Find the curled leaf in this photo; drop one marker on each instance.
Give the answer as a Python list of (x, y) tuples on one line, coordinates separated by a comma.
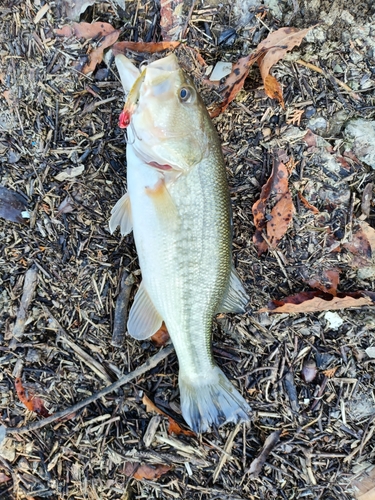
[(103, 33), (173, 425), (27, 397), (276, 45), (276, 199), (305, 302), (145, 471)]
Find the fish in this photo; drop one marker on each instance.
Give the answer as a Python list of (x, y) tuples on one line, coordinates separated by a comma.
[(178, 206)]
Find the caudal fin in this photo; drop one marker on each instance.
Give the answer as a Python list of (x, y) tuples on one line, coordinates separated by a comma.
[(211, 400)]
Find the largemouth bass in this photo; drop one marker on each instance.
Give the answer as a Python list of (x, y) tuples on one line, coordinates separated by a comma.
[(178, 207)]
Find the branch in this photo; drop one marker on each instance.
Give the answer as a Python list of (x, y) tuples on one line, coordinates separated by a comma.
[(150, 363)]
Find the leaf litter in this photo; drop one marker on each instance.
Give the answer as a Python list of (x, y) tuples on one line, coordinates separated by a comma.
[(59, 126)]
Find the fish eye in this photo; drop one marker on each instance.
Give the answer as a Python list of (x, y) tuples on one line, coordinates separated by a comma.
[(185, 94)]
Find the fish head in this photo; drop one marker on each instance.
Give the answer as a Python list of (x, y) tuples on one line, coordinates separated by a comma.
[(166, 117)]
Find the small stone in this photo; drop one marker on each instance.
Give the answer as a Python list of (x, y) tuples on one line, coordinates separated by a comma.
[(334, 320), (318, 124), (370, 351)]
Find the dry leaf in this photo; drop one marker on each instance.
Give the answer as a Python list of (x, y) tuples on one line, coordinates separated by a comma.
[(70, 173), (275, 192), (305, 302), (173, 425), (104, 33), (4, 478), (149, 47), (12, 205), (171, 18), (27, 396), (327, 282), (235, 81), (330, 372), (307, 204), (161, 337), (276, 45), (145, 471)]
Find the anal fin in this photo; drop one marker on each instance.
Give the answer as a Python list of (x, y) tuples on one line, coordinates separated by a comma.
[(122, 216), (236, 298), (144, 320)]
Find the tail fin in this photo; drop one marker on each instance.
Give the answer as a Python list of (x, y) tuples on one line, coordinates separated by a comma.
[(211, 401)]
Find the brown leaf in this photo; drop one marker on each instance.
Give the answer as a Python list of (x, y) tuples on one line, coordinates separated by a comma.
[(269, 444), (330, 372), (161, 337), (235, 81), (305, 302), (12, 205), (173, 425), (275, 192), (307, 203), (362, 245), (149, 47), (27, 397), (99, 31), (276, 45), (327, 282), (171, 15), (4, 478), (145, 471)]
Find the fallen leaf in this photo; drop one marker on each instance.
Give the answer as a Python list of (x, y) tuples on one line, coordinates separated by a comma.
[(145, 471), (276, 45), (104, 33), (149, 47), (12, 206), (161, 337), (70, 173), (269, 444), (27, 397), (305, 302), (4, 478), (307, 204), (268, 53), (173, 425), (275, 192), (327, 282), (73, 10), (235, 81), (362, 245), (172, 18), (66, 206), (330, 372)]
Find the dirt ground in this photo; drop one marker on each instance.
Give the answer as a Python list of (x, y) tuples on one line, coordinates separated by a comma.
[(309, 377)]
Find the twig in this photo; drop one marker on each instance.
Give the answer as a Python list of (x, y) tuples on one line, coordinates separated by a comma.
[(121, 310), (322, 72), (31, 279), (150, 363)]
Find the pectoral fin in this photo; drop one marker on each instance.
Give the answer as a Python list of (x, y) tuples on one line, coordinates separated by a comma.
[(236, 298), (163, 202), (144, 320), (121, 216)]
